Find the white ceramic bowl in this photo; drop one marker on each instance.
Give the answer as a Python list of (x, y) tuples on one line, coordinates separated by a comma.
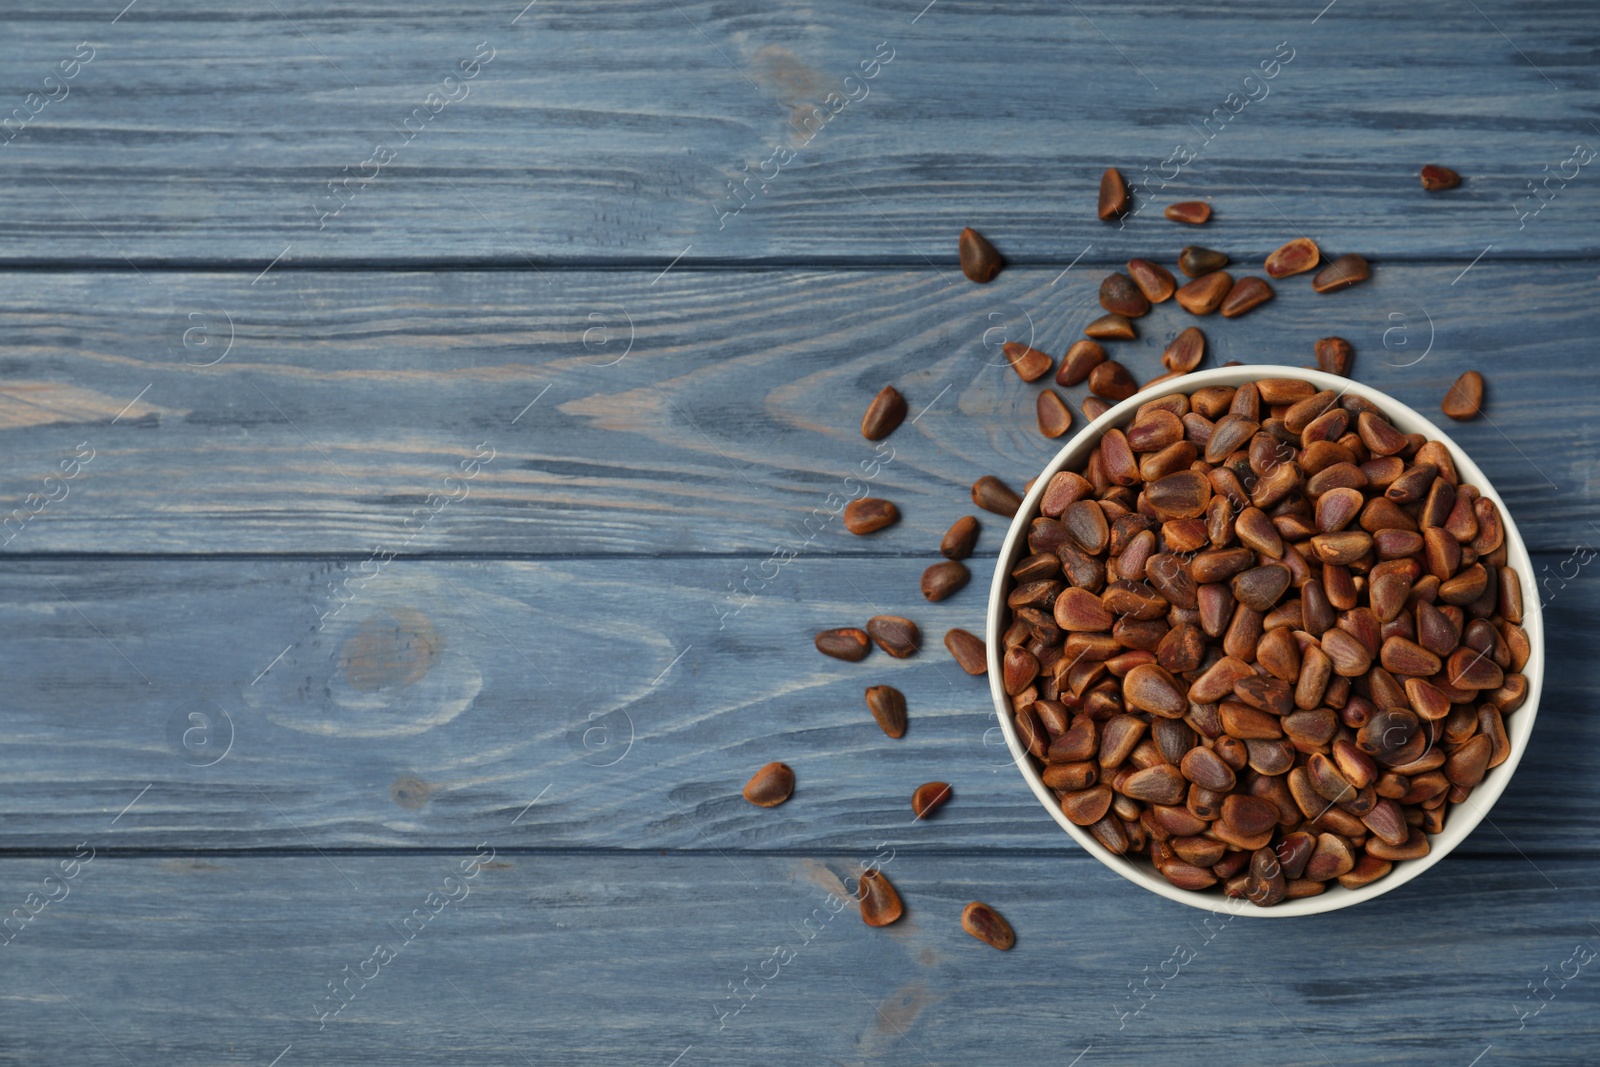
[(1462, 819)]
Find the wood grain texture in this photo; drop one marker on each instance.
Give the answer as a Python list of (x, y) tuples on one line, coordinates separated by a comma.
[(208, 132), (249, 375), (594, 959), (616, 704), (692, 413)]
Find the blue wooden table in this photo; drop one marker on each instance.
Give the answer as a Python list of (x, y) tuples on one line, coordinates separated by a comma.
[(424, 430)]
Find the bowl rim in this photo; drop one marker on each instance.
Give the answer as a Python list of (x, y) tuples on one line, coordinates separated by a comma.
[(1462, 822)]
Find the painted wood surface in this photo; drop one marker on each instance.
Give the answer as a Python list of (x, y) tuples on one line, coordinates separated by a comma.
[(616, 704), (210, 132), (605, 959), (284, 644), (700, 412)]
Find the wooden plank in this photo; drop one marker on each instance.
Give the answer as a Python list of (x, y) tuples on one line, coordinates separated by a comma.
[(616, 704), (691, 413), (602, 959), (204, 132)]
